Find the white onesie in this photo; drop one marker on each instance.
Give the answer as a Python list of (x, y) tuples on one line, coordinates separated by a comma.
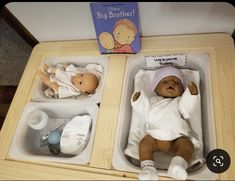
[(63, 79), (164, 118)]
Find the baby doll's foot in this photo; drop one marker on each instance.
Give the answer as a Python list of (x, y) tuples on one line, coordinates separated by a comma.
[(148, 173), (177, 168), (46, 68), (177, 172)]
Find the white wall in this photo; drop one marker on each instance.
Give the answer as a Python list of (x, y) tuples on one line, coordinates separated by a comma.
[(48, 21)]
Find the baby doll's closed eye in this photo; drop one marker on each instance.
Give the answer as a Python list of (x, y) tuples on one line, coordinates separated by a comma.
[(174, 81)]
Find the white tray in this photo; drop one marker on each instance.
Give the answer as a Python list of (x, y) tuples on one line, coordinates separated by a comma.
[(196, 61), (23, 146), (81, 61)]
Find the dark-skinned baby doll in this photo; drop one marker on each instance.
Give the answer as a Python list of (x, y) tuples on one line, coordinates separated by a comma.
[(166, 127)]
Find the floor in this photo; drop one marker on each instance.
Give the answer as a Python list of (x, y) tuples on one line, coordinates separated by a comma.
[(14, 54), (6, 96)]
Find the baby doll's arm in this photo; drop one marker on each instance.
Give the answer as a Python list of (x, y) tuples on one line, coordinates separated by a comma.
[(52, 70), (136, 96), (46, 80), (140, 102), (73, 68), (189, 100), (193, 88)]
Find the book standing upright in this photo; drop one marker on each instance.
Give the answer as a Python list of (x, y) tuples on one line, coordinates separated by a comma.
[(117, 26)]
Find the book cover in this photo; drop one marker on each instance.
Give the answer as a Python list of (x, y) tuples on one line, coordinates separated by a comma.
[(117, 26)]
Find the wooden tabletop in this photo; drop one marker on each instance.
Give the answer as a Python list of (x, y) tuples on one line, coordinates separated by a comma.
[(220, 47)]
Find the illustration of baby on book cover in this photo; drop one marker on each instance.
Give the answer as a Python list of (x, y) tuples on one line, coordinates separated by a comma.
[(117, 26)]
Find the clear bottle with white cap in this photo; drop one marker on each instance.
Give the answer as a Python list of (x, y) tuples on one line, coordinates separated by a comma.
[(37, 119)]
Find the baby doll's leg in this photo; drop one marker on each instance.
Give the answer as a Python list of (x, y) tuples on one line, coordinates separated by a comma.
[(146, 149), (46, 80), (46, 67), (44, 77), (183, 149), (149, 145)]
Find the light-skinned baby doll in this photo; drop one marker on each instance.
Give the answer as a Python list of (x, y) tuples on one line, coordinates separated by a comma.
[(67, 80), (166, 126)]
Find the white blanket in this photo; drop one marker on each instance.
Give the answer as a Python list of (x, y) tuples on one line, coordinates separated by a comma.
[(142, 81)]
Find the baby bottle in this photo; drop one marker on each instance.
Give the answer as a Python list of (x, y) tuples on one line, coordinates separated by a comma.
[(37, 120)]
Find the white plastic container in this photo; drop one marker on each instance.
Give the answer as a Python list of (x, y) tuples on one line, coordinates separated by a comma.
[(24, 145), (195, 61), (37, 120), (78, 61)]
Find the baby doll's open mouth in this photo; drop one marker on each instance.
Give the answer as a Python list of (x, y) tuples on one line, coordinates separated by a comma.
[(171, 88)]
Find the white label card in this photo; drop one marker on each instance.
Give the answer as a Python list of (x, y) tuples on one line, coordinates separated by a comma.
[(165, 60)]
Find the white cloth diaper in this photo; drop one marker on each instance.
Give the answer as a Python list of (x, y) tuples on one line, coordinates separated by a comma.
[(75, 135)]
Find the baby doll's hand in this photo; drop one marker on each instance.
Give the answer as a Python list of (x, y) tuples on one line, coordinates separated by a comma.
[(136, 96), (193, 88), (65, 66)]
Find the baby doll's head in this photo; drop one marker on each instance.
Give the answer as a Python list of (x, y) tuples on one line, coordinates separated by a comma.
[(168, 82), (106, 40), (85, 82)]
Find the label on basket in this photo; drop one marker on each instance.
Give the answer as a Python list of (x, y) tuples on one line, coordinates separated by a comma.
[(165, 60)]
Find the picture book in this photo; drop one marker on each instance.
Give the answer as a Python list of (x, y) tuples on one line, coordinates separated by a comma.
[(117, 26)]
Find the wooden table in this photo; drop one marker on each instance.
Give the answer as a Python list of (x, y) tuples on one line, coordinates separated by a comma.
[(220, 47)]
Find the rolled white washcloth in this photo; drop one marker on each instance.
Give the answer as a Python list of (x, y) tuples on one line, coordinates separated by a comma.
[(75, 135)]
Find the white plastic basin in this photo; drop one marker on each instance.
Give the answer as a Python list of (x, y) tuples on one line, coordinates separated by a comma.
[(196, 61), (25, 142), (78, 61)]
